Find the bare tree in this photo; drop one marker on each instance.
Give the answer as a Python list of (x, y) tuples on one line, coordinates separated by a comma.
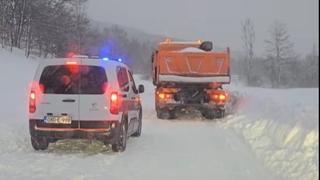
[(81, 21), (248, 38), (279, 50), (4, 4), (311, 69)]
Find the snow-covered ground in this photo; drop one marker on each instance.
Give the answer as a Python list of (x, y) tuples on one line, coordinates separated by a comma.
[(274, 135)]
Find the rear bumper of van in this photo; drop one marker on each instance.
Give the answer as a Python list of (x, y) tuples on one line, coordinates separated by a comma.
[(106, 131)]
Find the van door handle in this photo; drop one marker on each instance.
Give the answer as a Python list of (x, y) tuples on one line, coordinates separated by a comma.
[(68, 100)]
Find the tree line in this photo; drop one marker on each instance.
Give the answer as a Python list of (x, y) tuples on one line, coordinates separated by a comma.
[(281, 67), (54, 28), (114, 42), (43, 27)]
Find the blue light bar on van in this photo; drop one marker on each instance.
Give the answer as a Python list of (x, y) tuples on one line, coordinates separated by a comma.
[(107, 59)]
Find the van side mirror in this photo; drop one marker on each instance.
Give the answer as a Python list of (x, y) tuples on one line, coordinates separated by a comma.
[(141, 88)]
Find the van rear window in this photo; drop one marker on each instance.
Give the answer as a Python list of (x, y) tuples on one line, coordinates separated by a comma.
[(73, 79)]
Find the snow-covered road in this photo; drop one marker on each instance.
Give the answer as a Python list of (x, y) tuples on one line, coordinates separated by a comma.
[(187, 148), (167, 150)]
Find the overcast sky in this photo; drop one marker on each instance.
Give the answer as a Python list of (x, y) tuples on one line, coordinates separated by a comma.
[(216, 20)]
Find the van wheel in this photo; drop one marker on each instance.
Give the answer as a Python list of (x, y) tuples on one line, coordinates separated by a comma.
[(138, 132), (121, 143), (39, 143)]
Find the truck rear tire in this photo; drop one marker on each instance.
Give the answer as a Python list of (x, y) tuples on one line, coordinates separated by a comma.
[(212, 114), (166, 114), (208, 114), (219, 114)]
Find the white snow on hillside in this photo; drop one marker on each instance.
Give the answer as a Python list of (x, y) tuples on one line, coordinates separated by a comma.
[(274, 135)]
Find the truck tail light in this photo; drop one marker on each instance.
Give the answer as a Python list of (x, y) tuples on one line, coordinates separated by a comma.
[(114, 103), (219, 98), (222, 97), (162, 96), (165, 94), (215, 97), (32, 102)]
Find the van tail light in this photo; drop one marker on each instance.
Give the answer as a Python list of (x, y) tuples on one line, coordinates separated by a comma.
[(32, 102), (114, 103)]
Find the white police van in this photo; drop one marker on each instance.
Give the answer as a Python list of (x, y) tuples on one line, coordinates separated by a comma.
[(84, 98)]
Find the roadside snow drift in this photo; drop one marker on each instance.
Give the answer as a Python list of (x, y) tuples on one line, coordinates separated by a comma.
[(281, 127)]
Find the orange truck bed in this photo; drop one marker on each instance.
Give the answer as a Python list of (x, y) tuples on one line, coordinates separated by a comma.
[(185, 62)]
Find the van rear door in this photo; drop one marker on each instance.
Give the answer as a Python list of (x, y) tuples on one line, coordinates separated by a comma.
[(60, 97), (94, 101)]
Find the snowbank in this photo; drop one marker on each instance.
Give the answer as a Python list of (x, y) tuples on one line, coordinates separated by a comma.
[(16, 73), (281, 127)]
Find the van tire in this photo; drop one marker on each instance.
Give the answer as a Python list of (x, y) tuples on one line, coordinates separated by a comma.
[(121, 143), (39, 143), (138, 132)]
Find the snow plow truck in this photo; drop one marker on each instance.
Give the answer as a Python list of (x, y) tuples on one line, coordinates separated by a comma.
[(190, 75)]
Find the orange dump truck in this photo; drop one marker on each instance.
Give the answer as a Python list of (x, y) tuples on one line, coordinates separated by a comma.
[(190, 75)]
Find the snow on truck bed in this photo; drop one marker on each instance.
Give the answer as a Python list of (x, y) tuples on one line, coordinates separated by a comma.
[(274, 135), (191, 50)]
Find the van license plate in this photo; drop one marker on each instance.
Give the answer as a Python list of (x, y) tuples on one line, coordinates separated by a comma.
[(58, 119)]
